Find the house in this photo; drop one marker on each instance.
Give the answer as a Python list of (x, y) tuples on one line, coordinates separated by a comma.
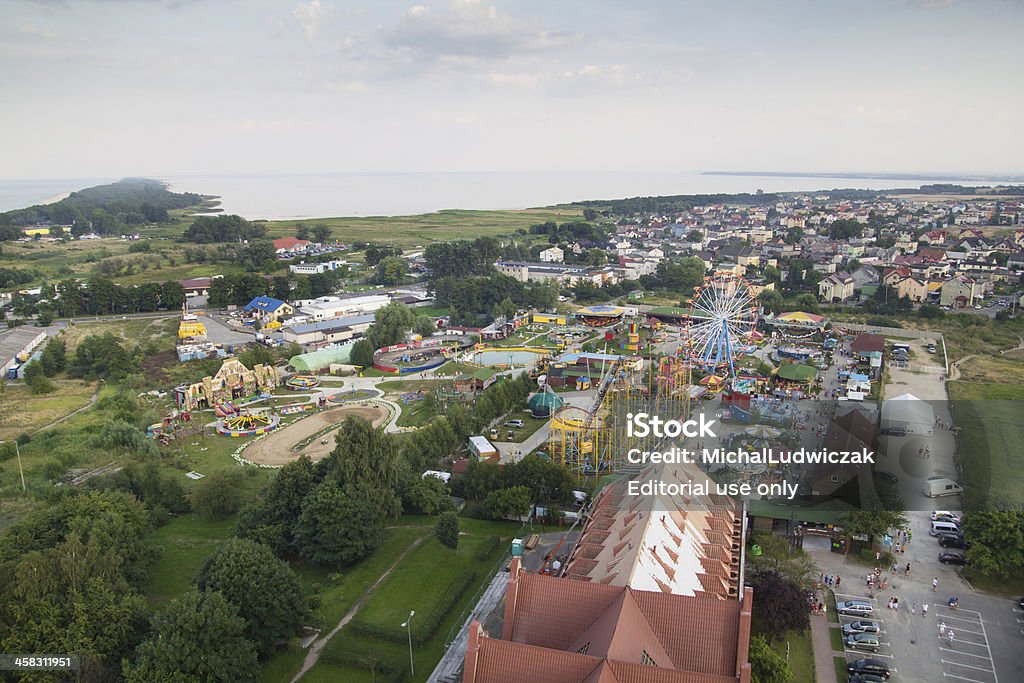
[(329, 331), (268, 309), (552, 255), (836, 287), (197, 286), (912, 288), (290, 245), (960, 292)]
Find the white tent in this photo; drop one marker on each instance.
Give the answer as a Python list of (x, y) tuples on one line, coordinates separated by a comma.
[(910, 413)]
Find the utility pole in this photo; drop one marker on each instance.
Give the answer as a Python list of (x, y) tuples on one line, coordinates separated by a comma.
[(21, 470)]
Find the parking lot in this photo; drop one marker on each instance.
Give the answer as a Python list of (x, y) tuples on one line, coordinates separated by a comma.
[(966, 655), (885, 651)]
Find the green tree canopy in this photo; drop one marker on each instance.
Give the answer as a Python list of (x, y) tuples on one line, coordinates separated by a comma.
[(336, 528), (264, 588), (447, 529), (198, 637)]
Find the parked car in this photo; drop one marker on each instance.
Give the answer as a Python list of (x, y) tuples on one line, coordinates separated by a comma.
[(954, 542), (515, 423), (953, 558), (945, 515), (895, 431), (862, 641), (862, 626), (860, 608), (866, 678), (874, 667)]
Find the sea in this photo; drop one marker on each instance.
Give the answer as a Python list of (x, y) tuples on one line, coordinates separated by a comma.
[(276, 197)]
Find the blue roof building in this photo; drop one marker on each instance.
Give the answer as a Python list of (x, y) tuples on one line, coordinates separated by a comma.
[(269, 308)]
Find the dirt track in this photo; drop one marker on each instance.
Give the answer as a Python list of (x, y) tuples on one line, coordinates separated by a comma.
[(275, 449)]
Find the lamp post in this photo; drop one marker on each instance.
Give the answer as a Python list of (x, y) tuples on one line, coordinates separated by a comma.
[(21, 471), (408, 626)]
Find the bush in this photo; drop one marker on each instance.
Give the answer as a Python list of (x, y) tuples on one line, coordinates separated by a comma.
[(218, 494)]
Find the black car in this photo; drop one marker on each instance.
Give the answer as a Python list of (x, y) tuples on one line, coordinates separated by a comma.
[(954, 542), (874, 667), (953, 558), (949, 534), (895, 431), (865, 678)]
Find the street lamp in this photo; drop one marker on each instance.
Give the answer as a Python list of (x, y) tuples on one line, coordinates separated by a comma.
[(408, 625), (21, 471)]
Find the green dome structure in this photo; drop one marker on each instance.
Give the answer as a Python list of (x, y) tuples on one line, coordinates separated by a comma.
[(544, 404), (795, 372)]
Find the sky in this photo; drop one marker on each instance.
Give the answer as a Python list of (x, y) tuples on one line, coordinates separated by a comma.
[(109, 88)]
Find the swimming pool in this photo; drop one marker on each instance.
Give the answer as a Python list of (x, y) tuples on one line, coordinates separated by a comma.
[(492, 358)]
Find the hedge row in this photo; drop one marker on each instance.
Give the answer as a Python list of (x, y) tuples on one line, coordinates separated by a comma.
[(426, 626)]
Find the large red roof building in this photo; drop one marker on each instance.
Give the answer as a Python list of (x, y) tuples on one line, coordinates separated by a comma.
[(570, 631)]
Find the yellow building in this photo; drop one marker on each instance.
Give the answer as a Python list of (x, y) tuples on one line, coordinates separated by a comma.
[(550, 318)]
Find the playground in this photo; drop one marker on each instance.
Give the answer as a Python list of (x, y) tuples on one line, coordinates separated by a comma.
[(302, 382), (288, 443), (247, 424)]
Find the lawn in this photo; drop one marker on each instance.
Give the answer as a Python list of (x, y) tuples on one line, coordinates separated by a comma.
[(801, 654), (22, 411), (411, 231), (530, 425), (160, 331), (431, 577), (986, 403), (185, 543)]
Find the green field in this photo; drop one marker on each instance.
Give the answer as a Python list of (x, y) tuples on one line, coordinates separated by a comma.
[(420, 230), (185, 542)]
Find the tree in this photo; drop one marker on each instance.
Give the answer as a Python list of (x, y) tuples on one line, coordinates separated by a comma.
[(423, 496), (695, 236), (272, 518), (365, 462), (35, 379), (218, 494), (337, 528), (447, 530), (301, 231), (391, 270), (424, 326), (375, 253), (997, 542), (198, 637), (780, 604), (766, 665), (391, 324), (361, 353), (507, 503), (321, 233), (874, 523), (264, 588), (101, 357), (779, 557)]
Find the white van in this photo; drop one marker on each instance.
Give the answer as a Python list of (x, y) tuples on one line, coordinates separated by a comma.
[(940, 486), (939, 527)]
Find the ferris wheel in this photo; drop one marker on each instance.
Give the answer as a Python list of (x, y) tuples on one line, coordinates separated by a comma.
[(723, 317)]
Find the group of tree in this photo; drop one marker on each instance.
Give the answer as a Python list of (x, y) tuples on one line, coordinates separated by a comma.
[(779, 576), (102, 295), (844, 229), (71, 580), (102, 356), (997, 541), (373, 254), (462, 258), (223, 228), (240, 288), (318, 232), (104, 209), (13, 277), (392, 325), (679, 276), (477, 299), (333, 512), (887, 301), (569, 232)]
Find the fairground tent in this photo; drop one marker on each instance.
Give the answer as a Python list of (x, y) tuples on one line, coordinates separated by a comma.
[(910, 413)]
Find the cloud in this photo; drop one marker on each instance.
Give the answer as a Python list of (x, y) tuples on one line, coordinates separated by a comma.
[(470, 28), (35, 31), (311, 16)]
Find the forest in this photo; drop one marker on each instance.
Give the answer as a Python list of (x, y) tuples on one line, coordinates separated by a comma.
[(104, 209)]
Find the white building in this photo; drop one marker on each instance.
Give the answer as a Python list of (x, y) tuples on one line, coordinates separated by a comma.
[(316, 268), (552, 255)]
